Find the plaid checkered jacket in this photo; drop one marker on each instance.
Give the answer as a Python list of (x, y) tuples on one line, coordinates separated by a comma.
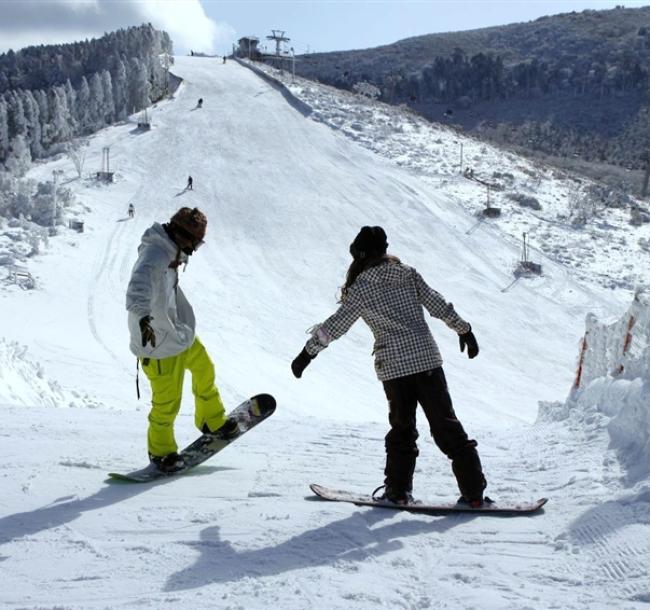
[(389, 298)]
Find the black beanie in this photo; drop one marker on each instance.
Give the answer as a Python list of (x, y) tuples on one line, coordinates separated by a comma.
[(371, 241)]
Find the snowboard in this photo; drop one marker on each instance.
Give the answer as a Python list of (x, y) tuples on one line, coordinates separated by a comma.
[(513, 508), (248, 415)]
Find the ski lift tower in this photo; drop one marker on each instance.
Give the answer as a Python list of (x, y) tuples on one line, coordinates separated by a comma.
[(279, 38), (144, 123), (105, 175), (526, 266)]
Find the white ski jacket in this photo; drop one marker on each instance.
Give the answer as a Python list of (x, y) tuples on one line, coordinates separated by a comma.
[(389, 298), (153, 291)]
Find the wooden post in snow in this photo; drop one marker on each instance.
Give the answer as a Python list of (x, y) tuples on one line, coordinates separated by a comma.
[(646, 176)]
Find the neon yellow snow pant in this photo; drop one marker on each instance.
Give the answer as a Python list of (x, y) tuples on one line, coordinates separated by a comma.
[(166, 378)]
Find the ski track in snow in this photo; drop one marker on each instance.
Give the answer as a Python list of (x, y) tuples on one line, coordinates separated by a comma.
[(284, 196), (107, 262)]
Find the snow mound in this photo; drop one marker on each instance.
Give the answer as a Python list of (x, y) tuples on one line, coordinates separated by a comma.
[(613, 380), (23, 381)]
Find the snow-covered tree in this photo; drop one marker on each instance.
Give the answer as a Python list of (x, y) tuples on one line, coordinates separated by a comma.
[(109, 103), (113, 76), (120, 91), (19, 158), (367, 90), (83, 107), (71, 101), (33, 121), (4, 131), (16, 114), (15, 197), (44, 116), (139, 86), (76, 152), (60, 122), (96, 102), (166, 60)]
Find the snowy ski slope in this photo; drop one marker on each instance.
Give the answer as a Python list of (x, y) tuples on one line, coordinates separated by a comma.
[(284, 196)]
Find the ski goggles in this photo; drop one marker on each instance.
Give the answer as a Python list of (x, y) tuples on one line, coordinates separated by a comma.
[(196, 243)]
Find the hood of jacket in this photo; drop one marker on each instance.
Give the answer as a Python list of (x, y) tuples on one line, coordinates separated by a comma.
[(156, 236), (388, 272)]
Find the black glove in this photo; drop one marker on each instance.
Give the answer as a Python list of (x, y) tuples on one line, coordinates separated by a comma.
[(469, 340), (148, 336), (300, 363)]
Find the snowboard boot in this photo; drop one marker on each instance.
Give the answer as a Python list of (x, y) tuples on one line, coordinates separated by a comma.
[(467, 469), (167, 463), (228, 430), (485, 501), (401, 498)]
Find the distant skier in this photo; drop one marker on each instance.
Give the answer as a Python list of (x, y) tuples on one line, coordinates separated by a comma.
[(190, 184), (162, 329), (199, 104), (224, 59), (131, 210), (389, 296)]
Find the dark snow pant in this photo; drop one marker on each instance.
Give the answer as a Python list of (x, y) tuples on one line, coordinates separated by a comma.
[(428, 388)]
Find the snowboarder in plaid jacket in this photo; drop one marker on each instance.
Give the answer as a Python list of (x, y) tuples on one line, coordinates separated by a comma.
[(389, 296)]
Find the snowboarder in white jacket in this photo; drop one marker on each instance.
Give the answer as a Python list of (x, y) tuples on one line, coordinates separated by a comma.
[(390, 297), (162, 328)]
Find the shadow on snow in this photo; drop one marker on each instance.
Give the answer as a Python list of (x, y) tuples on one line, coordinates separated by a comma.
[(353, 539), (67, 509), (603, 520)]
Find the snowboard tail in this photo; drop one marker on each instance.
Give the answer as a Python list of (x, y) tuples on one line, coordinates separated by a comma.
[(248, 415), (514, 508)]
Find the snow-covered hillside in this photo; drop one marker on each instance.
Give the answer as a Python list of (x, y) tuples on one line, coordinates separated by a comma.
[(600, 234), (284, 196)]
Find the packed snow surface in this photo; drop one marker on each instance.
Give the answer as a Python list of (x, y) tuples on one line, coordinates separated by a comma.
[(285, 194)]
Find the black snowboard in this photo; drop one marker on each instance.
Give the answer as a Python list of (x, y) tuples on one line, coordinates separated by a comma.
[(248, 414), (418, 507)]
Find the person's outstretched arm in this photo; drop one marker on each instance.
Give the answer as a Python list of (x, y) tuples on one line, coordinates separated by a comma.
[(323, 334), (439, 308)]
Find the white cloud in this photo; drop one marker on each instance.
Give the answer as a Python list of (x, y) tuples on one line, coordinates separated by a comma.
[(188, 25), (35, 22)]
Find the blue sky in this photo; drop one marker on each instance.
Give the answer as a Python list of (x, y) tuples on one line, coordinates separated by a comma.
[(213, 25), (339, 25)]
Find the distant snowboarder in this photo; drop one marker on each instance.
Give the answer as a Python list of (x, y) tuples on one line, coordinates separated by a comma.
[(199, 104), (162, 329), (131, 210), (224, 59), (389, 296), (190, 184)]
